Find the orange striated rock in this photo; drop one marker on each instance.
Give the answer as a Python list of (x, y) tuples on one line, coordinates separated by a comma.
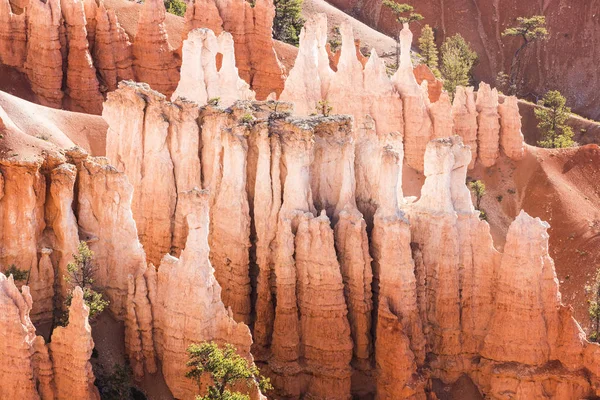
[(465, 119), (70, 351), (251, 27), (154, 60), (17, 345), (112, 50), (511, 137), (44, 59), (42, 288), (106, 221), (188, 308), (488, 121), (399, 344), (81, 83), (13, 36), (417, 124)]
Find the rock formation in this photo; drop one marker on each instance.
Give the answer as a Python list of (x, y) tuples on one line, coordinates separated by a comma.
[(188, 307), (200, 81), (488, 121), (81, 85), (70, 352), (154, 61), (112, 49), (464, 113), (250, 25), (511, 137), (13, 36), (44, 62)]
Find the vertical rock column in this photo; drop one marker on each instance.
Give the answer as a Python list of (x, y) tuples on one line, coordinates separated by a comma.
[(465, 119), (82, 85), (511, 137), (153, 59), (112, 49), (399, 340), (488, 121), (44, 64), (13, 36), (417, 124), (70, 350)]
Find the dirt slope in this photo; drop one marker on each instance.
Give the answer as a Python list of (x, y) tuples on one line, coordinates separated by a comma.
[(39, 126)]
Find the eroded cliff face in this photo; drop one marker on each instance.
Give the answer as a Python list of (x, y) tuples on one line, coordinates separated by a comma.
[(416, 112), (34, 370), (75, 51)]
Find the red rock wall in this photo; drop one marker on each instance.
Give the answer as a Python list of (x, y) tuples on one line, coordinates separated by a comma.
[(567, 61)]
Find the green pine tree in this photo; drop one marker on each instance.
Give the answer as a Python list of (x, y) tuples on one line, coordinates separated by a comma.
[(404, 14), (458, 60), (552, 116), (429, 50), (529, 30), (288, 21), (226, 368)]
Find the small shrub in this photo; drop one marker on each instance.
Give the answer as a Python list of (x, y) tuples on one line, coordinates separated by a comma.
[(17, 273), (176, 7), (214, 101), (499, 198), (478, 189), (324, 108), (247, 118), (483, 215)]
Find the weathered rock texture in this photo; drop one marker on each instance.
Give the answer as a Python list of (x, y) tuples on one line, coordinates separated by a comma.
[(74, 51), (200, 81), (70, 352), (410, 103), (32, 370), (550, 64), (250, 25)]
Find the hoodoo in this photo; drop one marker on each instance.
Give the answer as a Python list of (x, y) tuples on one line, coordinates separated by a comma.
[(331, 236)]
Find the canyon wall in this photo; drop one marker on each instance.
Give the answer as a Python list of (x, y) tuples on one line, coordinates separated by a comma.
[(554, 64), (74, 52)]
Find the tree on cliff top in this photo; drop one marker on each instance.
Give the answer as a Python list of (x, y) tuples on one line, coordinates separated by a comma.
[(552, 116), (530, 30), (458, 60), (226, 368), (404, 15), (288, 21), (428, 50)]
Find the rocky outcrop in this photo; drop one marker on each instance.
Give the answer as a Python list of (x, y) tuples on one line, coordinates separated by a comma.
[(200, 80), (511, 137), (544, 66), (44, 62), (488, 121), (188, 307), (464, 113), (112, 49), (81, 84), (70, 352), (154, 61), (17, 346), (13, 36), (250, 25), (417, 124)]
